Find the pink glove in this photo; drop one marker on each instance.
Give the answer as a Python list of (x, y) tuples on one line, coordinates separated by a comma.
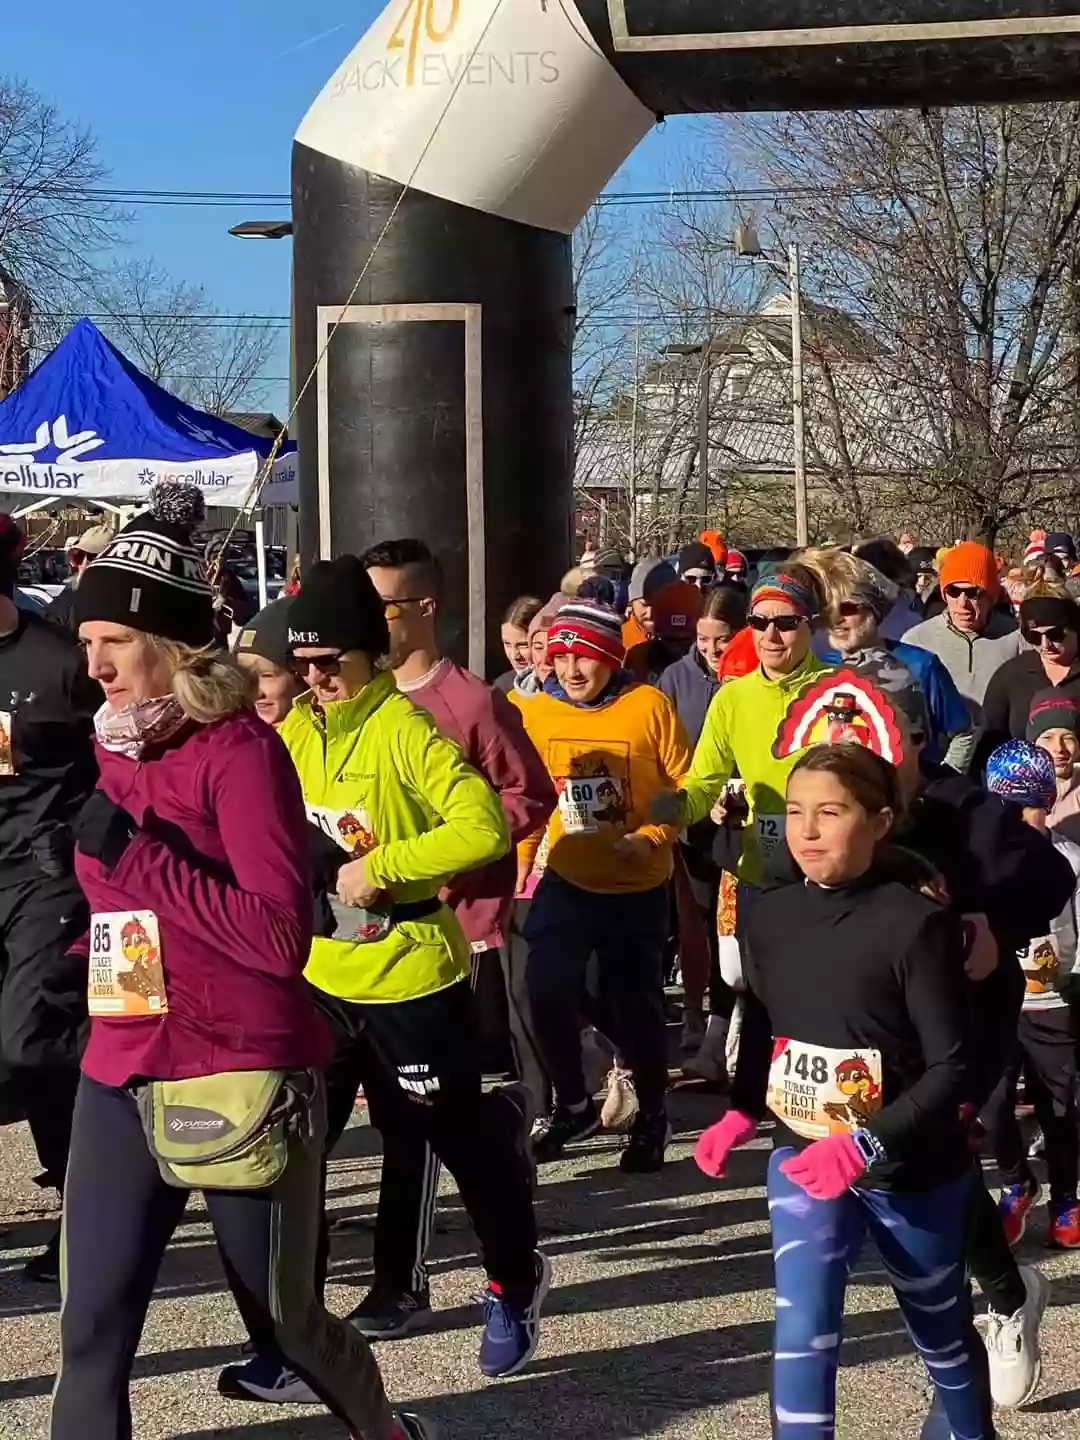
[(717, 1143), (826, 1168)]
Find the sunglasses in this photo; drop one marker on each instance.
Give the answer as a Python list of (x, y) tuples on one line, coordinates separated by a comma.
[(327, 665), (700, 578), (392, 608), (786, 624), (964, 592), (850, 608), (1052, 635)]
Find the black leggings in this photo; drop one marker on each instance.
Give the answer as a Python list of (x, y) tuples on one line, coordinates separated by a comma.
[(119, 1216)]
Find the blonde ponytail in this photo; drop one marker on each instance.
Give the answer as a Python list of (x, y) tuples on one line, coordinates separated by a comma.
[(208, 684)]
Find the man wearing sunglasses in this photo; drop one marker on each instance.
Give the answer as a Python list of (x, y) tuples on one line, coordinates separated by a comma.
[(395, 809), (697, 565), (1050, 624), (971, 638)]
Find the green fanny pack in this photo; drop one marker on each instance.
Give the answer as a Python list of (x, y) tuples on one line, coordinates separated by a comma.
[(223, 1132)]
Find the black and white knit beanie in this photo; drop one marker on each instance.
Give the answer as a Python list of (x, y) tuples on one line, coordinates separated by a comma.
[(150, 577)]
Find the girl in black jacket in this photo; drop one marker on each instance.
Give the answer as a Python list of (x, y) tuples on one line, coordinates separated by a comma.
[(868, 1016)]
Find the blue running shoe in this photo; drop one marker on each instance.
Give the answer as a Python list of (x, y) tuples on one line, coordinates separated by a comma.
[(512, 1324), (261, 1378)]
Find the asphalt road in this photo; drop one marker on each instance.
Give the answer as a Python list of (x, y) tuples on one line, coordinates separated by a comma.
[(658, 1324)]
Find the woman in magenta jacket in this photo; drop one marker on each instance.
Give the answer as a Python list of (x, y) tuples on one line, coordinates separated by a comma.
[(193, 856)]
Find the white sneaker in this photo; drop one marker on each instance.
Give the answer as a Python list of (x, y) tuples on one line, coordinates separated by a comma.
[(621, 1102), (1012, 1344)]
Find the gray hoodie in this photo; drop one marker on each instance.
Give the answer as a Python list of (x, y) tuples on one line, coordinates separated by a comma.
[(971, 660)]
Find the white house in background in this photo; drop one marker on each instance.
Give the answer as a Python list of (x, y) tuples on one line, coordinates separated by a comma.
[(846, 373)]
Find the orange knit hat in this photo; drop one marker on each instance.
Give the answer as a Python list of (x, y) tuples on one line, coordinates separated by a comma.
[(715, 541), (971, 564)]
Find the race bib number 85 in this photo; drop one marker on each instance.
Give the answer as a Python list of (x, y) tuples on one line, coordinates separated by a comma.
[(817, 1091), (126, 977)]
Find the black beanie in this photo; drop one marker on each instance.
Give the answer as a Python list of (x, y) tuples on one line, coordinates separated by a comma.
[(1050, 610), (338, 608), (1052, 709), (696, 556), (150, 577), (267, 633)]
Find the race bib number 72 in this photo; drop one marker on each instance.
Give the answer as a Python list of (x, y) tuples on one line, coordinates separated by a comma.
[(817, 1091), (769, 830)]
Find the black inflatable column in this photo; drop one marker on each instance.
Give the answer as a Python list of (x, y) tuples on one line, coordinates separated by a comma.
[(443, 408)]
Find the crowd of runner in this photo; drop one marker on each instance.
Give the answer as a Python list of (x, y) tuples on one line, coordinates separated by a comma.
[(835, 793)]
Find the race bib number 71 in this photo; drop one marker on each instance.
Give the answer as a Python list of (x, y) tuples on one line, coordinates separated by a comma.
[(817, 1091)]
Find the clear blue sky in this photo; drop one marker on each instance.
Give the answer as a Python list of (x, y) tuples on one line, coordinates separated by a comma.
[(204, 96)]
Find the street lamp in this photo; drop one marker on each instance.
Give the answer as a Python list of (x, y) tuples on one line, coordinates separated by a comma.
[(274, 230), (263, 230)]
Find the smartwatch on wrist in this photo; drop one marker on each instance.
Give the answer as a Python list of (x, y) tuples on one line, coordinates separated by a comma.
[(868, 1146)]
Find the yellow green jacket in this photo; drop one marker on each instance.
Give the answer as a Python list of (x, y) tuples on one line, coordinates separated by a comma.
[(737, 739), (375, 770)]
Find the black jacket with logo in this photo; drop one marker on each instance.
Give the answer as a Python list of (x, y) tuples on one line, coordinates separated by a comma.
[(47, 702)]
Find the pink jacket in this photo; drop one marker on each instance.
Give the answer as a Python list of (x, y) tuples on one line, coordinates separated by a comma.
[(489, 730), (222, 860)]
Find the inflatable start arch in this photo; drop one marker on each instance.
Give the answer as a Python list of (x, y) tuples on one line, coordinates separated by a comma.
[(485, 129)]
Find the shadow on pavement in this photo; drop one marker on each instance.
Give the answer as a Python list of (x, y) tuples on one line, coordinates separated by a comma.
[(611, 1394)]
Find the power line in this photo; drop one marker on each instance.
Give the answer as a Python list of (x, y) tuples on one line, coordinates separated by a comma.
[(279, 199)]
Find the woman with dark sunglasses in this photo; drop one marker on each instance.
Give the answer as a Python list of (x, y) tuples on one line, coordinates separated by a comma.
[(741, 723), (1050, 625)]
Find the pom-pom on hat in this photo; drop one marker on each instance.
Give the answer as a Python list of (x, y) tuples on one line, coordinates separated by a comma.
[(150, 576), (590, 630), (1023, 773)]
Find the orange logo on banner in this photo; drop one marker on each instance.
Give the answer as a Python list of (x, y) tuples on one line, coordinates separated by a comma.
[(417, 16)]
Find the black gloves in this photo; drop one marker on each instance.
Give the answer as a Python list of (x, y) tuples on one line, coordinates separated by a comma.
[(102, 830)]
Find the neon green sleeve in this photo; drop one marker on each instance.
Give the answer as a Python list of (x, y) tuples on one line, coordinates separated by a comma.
[(474, 831), (713, 764)]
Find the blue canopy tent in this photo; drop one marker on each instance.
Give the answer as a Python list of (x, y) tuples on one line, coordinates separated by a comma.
[(87, 425)]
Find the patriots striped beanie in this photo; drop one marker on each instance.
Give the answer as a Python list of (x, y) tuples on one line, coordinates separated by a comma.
[(150, 576), (1023, 773), (588, 629)]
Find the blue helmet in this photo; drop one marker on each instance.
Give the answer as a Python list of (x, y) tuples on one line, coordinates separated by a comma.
[(1022, 773)]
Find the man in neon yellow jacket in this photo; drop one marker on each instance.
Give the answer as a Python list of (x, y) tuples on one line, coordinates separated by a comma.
[(743, 719), (396, 812)]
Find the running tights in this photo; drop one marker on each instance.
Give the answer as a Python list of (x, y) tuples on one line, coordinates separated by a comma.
[(920, 1236)]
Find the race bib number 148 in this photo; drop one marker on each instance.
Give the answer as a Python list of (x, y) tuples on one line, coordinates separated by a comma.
[(817, 1091)]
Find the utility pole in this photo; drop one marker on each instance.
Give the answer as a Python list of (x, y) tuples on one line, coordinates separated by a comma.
[(703, 433), (633, 518), (802, 522)]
